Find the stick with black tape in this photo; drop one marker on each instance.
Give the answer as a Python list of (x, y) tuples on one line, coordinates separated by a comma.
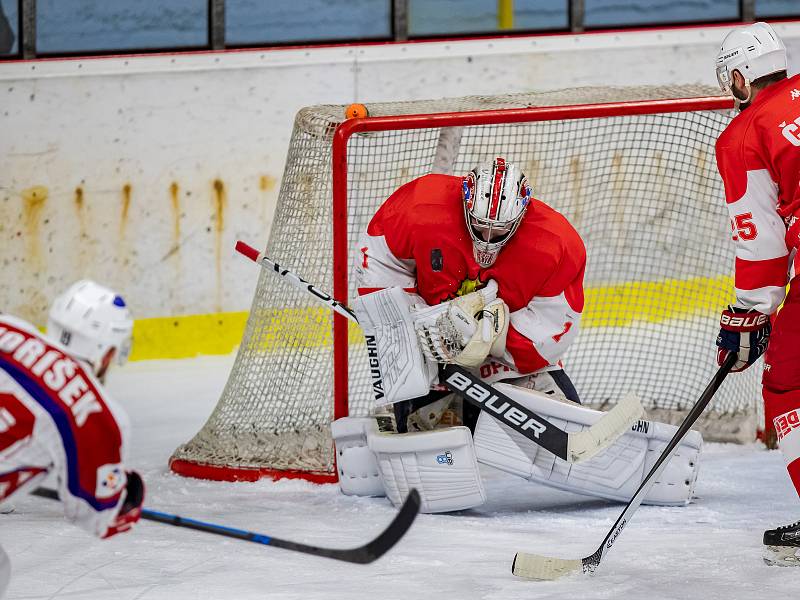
[(361, 555), (571, 447), (536, 566)]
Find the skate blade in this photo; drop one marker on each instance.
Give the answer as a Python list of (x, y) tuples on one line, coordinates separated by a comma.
[(782, 556)]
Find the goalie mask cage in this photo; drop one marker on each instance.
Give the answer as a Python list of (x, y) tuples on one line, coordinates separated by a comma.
[(633, 169)]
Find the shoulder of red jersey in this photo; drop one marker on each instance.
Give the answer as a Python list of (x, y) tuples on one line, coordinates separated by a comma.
[(546, 231), (417, 210), (752, 142), (733, 132), (780, 107), (422, 200), (767, 111), (737, 154)]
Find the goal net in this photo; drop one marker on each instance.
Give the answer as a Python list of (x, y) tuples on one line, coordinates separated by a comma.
[(633, 169)]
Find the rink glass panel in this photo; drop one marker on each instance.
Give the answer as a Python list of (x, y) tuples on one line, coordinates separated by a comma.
[(641, 189)]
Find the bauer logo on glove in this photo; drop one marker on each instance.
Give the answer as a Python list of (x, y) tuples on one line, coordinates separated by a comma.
[(745, 333)]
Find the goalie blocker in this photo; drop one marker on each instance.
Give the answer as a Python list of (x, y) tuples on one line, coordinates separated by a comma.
[(443, 464)]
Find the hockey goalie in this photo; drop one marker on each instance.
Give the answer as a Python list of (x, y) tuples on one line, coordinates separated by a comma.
[(475, 271)]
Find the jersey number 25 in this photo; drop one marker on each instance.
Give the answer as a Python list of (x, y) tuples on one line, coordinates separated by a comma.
[(743, 227)]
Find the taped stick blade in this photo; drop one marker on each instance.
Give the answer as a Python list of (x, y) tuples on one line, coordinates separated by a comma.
[(585, 444), (544, 568)]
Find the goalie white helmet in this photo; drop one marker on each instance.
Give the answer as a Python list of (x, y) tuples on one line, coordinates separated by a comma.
[(754, 51), (496, 195), (90, 320)]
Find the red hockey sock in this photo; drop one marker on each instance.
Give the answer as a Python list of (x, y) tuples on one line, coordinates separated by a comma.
[(783, 408)]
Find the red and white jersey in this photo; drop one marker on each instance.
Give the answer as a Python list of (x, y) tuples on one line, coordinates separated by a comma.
[(758, 156), (55, 418), (418, 240)]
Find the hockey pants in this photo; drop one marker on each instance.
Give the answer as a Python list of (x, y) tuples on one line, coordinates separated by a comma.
[(781, 382)]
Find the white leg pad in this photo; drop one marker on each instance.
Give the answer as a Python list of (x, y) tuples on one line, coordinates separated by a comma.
[(614, 474), (440, 464), (358, 468)]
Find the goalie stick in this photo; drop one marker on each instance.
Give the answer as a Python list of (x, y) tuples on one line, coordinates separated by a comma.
[(536, 566), (571, 447), (361, 555)]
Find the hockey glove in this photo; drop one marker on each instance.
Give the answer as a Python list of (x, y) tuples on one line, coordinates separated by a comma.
[(745, 333), (131, 509), (446, 330), (489, 336)]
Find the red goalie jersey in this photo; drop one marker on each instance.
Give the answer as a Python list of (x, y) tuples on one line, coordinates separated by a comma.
[(418, 240), (758, 156)]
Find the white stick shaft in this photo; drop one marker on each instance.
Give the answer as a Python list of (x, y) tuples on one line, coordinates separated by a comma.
[(295, 280)]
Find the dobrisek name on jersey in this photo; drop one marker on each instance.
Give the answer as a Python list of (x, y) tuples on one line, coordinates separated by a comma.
[(56, 371)]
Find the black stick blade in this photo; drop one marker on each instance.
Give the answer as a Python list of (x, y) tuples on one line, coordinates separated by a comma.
[(362, 555), (372, 550)]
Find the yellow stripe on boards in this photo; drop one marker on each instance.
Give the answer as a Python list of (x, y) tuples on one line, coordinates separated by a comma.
[(185, 336), (620, 305), (617, 305), (220, 333)]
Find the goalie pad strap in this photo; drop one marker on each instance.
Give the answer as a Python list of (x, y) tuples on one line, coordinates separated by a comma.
[(614, 474), (440, 464)]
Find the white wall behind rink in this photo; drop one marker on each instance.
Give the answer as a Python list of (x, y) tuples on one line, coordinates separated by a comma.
[(141, 172)]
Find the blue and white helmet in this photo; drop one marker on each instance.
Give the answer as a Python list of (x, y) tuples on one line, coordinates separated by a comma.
[(89, 320), (496, 195)]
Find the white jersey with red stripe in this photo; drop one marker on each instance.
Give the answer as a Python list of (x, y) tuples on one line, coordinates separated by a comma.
[(56, 418), (758, 156), (418, 240)]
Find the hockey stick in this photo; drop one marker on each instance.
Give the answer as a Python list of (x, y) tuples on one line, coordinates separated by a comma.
[(535, 566), (361, 555), (571, 447)]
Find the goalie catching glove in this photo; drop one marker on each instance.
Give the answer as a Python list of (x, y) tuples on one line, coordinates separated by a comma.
[(465, 330), (745, 333)]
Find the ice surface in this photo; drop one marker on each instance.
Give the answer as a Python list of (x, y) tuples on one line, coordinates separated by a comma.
[(710, 549)]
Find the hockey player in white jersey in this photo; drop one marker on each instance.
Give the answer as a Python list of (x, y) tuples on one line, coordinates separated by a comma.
[(56, 418), (441, 250)]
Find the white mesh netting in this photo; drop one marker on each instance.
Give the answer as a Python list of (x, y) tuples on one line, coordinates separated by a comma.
[(643, 192)]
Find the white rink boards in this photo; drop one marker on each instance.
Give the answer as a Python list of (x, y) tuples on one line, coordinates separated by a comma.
[(710, 549)]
